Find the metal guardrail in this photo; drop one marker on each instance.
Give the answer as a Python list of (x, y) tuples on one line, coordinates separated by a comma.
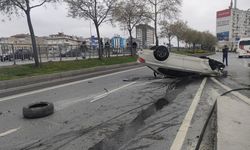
[(23, 53)]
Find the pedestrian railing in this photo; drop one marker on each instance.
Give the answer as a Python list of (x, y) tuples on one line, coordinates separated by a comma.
[(23, 53)]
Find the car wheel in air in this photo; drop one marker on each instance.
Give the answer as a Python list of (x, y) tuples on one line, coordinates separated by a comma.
[(161, 53), (38, 110)]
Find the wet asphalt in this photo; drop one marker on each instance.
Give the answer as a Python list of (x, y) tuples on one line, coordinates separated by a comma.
[(128, 111)]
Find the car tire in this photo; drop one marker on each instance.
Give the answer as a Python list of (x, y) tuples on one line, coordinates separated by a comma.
[(161, 53), (38, 110), (240, 56)]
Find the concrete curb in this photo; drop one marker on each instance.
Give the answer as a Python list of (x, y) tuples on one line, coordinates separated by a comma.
[(233, 124), (11, 87)]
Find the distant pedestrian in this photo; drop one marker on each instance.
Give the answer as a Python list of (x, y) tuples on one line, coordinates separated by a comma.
[(107, 48), (225, 54), (83, 49), (101, 44), (134, 47)]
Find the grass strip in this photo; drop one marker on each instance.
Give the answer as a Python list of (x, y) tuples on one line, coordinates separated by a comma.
[(21, 71)]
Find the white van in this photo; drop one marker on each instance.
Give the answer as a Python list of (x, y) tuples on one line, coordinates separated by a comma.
[(243, 48)]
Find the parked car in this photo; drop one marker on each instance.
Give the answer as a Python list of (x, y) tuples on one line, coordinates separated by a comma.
[(5, 57), (161, 61), (23, 54), (72, 53)]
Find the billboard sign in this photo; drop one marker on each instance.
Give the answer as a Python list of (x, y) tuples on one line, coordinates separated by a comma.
[(224, 13), (223, 36), (93, 42), (223, 24)]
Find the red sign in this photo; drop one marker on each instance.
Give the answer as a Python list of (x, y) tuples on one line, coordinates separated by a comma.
[(224, 13)]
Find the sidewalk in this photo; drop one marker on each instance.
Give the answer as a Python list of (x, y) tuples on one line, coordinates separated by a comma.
[(233, 124)]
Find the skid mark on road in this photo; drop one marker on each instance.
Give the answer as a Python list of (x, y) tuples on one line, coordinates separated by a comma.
[(109, 92), (9, 132), (92, 98), (64, 85), (180, 137)]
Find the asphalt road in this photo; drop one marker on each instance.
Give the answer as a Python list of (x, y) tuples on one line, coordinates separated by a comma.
[(238, 72), (127, 110)]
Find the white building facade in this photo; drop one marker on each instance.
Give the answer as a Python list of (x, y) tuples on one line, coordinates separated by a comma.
[(145, 34), (231, 25), (63, 39)]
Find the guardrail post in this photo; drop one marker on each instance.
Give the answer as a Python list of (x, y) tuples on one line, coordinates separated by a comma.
[(39, 50), (13, 54), (47, 53), (60, 51)]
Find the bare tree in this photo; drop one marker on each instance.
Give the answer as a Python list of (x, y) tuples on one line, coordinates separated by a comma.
[(129, 13), (17, 7), (166, 31), (99, 11), (166, 8)]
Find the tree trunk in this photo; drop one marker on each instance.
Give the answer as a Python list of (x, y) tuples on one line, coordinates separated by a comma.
[(99, 40), (169, 42), (33, 39), (130, 42), (178, 44), (155, 21)]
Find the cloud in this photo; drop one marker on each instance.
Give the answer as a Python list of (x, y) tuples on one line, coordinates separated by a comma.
[(200, 15)]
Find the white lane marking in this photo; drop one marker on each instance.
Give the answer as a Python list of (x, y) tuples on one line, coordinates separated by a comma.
[(63, 85), (66, 103), (109, 92), (180, 137), (237, 94), (9, 132)]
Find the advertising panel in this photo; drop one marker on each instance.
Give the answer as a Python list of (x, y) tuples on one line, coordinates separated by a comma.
[(224, 13), (223, 36)]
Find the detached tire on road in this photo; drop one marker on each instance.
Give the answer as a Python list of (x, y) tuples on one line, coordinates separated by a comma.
[(161, 53), (38, 110)]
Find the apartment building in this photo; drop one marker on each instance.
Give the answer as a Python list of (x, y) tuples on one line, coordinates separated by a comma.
[(145, 35), (232, 24)]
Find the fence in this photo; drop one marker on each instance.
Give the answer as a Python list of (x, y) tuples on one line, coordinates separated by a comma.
[(23, 53)]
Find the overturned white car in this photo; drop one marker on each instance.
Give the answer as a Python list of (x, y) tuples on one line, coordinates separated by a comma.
[(161, 61)]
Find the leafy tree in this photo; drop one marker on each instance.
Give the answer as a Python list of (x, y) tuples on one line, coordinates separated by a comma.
[(208, 41), (99, 11), (178, 29), (10, 7), (166, 8), (166, 31), (187, 36), (129, 13)]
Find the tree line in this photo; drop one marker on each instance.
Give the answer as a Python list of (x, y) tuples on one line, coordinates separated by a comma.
[(183, 33), (126, 13)]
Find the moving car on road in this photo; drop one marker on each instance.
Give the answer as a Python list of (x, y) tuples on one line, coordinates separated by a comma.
[(244, 48), (161, 61)]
